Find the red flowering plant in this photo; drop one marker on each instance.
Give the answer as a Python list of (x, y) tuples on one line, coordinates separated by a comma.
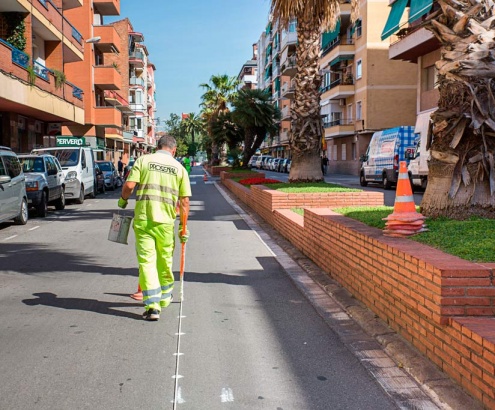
[(258, 181)]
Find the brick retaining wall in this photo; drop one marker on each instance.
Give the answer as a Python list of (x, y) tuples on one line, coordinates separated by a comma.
[(427, 296)]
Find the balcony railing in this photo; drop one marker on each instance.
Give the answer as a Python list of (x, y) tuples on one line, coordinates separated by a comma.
[(136, 81), (18, 57), (335, 122), (41, 71), (337, 42)]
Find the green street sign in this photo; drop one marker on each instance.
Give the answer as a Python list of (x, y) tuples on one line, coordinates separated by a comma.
[(70, 141)]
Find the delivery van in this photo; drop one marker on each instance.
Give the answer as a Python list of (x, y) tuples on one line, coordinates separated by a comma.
[(418, 160), (387, 148), (78, 166)]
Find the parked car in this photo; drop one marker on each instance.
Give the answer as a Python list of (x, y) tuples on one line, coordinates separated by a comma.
[(282, 165), (128, 167), (261, 160), (13, 197), (45, 182), (100, 179), (275, 164), (287, 166), (252, 161), (110, 174)]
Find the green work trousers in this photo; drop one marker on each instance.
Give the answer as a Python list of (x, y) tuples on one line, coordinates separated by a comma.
[(155, 248)]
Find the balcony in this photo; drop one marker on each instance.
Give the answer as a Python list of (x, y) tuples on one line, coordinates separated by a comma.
[(412, 42), (47, 19), (137, 107), (110, 40), (340, 47), (71, 4), (136, 58), (107, 7), (136, 81), (107, 78), (288, 39), (289, 66), (47, 101), (339, 127), (128, 135), (288, 89), (114, 99), (285, 113), (149, 100), (114, 133), (338, 89), (108, 117)]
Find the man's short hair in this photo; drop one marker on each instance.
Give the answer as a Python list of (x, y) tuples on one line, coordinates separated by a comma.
[(167, 141)]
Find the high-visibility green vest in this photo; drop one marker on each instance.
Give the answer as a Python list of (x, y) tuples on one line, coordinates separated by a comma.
[(161, 181)]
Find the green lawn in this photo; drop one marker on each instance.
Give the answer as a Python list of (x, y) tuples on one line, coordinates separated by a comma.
[(472, 240)]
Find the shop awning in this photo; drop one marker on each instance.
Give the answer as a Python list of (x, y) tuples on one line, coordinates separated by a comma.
[(419, 8), (393, 21), (327, 38)]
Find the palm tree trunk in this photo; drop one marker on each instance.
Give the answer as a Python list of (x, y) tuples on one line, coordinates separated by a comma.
[(306, 129)]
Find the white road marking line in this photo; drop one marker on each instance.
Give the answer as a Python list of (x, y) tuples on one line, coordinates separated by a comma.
[(192, 182), (10, 237), (36, 227), (227, 395), (179, 397), (177, 377), (264, 243)]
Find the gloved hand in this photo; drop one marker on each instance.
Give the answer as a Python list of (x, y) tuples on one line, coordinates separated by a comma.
[(122, 203), (183, 237)]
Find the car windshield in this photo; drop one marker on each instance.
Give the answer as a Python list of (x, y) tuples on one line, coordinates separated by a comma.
[(67, 157), (32, 164), (105, 166)]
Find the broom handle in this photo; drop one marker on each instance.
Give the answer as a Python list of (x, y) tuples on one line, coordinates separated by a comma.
[(183, 221)]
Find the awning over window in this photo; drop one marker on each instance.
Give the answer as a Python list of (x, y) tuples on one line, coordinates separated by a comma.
[(327, 38), (419, 8), (393, 21), (341, 58)]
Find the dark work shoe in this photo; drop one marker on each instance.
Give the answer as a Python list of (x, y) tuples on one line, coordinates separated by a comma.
[(151, 314)]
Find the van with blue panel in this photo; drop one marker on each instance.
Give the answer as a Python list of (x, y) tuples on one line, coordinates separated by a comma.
[(387, 148)]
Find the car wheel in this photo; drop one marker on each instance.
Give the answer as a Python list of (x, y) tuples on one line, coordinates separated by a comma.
[(60, 203), (80, 200), (42, 207), (386, 183), (23, 216), (362, 180), (93, 194)]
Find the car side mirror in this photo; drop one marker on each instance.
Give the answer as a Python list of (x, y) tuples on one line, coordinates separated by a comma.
[(5, 179)]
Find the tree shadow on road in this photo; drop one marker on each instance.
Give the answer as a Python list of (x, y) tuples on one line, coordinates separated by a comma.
[(90, 305)]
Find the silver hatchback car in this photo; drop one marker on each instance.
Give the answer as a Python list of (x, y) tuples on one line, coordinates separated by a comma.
[(13, 198)]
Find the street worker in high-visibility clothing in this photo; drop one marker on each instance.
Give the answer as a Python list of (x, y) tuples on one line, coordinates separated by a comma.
[(161, 181), (187, 164)]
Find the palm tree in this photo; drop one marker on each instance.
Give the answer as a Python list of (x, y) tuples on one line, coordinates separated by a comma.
[(193, 125), (255, 113), (313, 17), (226, 131), (461, 179), (219, 93)]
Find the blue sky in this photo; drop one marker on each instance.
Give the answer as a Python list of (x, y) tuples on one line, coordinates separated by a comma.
[(191, 40)]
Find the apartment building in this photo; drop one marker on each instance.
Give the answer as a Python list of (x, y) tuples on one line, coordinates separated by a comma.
[(248, 77), (97, 74), (38, 42), (411, 42), (362, 90), (136, 98), (271, 79)]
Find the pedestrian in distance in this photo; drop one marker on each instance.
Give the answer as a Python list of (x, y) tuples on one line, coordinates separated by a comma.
[(161, 181), (120, 167), (325, 164), (187, 164)]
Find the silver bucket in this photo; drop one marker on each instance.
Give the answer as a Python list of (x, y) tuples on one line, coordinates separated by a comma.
[(119, 229)]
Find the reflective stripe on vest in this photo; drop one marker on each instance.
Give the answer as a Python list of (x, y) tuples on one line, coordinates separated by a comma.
[(156, 187), (146, 197)]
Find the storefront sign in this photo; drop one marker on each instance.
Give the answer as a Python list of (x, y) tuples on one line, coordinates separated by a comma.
[(71, 141)]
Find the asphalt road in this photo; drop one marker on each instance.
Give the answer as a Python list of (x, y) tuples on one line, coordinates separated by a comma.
[(71, 338)]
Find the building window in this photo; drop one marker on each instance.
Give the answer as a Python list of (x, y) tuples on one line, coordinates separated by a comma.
[(359, 28), (334, 149), (132, 122), (330, 150), (344, 156), (359, 110), (359, 69), (139, 123), (349, 113), (354, 152), (292, 26), (429, 78)]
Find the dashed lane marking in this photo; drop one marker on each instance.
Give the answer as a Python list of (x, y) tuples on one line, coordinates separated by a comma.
[(227, 395), (10, 237), (33, 228)]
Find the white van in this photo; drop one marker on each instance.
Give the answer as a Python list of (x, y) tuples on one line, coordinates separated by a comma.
[(418, 164), (79, 170)]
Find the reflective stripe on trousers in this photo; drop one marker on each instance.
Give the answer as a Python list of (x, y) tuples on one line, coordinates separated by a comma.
[(154, 249)]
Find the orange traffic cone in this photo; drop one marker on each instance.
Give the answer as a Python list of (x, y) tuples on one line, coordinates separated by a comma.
[(138, 295), (205, 177), (405, 220)]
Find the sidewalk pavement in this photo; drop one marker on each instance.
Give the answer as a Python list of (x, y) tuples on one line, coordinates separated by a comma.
[(388, 357)]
